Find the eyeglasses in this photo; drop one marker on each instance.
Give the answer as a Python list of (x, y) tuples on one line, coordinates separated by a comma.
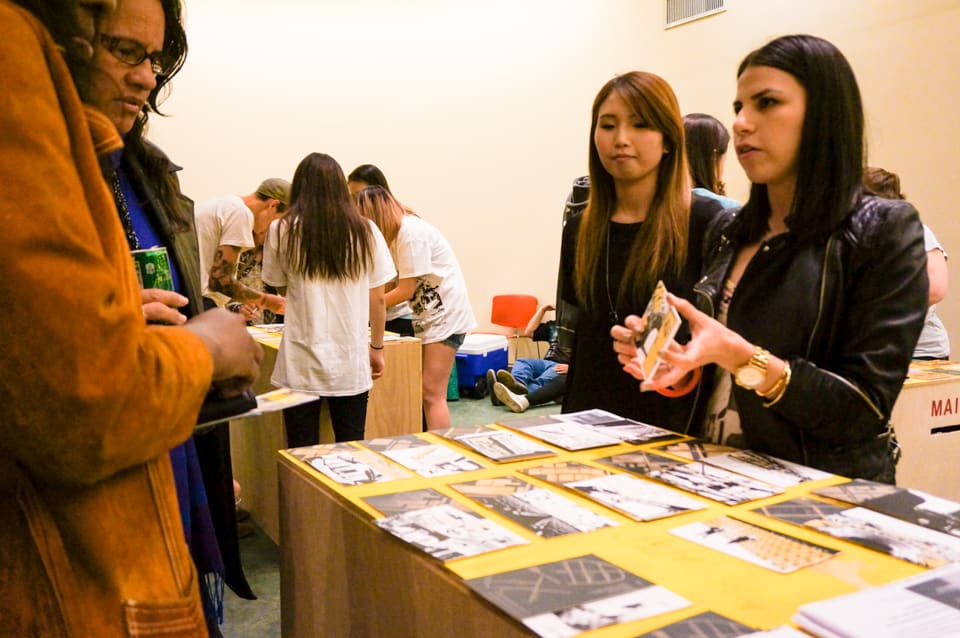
[(133, 53)]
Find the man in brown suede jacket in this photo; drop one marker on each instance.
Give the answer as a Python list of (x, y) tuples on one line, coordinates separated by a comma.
[(94, 398)]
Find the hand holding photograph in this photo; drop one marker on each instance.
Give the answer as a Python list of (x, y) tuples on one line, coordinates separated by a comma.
[(661, 321)]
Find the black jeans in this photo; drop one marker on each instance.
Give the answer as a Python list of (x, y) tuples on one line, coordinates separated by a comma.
[(347, 414)]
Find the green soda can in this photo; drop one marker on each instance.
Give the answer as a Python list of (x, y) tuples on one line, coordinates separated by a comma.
[(153, 268)]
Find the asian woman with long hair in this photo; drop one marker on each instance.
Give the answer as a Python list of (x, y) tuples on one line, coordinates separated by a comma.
[(641, 225)]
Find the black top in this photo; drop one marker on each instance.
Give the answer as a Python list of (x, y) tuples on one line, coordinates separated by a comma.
[(846, 312), (596, 379)]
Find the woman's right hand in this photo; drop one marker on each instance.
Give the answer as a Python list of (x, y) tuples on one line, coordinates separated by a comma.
[(236, 356)]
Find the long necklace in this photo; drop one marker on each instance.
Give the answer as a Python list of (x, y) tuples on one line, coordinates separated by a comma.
[(614, 317), (125, 219)]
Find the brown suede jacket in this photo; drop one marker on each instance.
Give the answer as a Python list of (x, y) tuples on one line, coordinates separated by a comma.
[(93, 399)]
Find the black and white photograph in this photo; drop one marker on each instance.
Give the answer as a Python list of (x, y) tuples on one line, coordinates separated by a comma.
[(715, 483), (754, 544), (800, 510), (399, 502), (434, 459), (706, 625), (544, 512), (503, 446), (636, 498), (906, 541), (567, 597), (636, 432), (696, 450), (348, 465), (401, 442), (572, 436), (766, 468), (640, 463), (906, 504), (870, 529), (446, 532), (565, 472)]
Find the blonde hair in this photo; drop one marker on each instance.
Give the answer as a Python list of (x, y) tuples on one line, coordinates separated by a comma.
[(378, 205)]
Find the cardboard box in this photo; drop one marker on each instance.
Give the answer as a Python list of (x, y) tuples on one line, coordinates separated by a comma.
[(926, 418)]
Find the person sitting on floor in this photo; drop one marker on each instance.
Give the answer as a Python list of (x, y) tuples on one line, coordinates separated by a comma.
[(532, 381)]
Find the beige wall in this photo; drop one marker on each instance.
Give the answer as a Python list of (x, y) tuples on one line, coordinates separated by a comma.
[(478, 112)]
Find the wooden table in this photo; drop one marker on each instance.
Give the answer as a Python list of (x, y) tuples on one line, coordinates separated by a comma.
[(926, 418), (394, 408), (341, 575)]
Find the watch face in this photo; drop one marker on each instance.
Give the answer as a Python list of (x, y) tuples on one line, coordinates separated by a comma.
[(750, 376)]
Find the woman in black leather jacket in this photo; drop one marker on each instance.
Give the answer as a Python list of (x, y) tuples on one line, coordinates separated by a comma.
[(813, 296)]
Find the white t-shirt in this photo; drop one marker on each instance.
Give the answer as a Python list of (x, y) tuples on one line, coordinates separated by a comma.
[(934, 340), (325, 343), (225, 221), (440, 304)]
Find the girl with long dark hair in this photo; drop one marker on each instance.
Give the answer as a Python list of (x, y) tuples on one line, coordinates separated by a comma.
[(332, 265)]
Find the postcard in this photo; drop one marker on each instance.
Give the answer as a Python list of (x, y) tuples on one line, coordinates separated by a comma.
[(708, 625), (696, 450), (640, 463), (636, 498), (587, 428), (431, 459), (400, 502), (661, 321), (565, 472), (763, 547), (502, 446), (766, 468), (876, 531), (567, 597), (402, 442), (697, 477), (542, 511), (571, 436), (906, 504), (350, 465), (446, 532)]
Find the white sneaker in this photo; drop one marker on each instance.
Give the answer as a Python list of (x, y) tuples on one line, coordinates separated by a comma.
[(516, 402)]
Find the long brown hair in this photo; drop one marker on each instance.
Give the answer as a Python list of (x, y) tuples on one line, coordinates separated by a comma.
[(327, 238), (661, 245)]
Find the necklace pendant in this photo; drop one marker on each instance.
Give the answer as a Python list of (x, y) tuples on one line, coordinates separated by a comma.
[(614, 317)]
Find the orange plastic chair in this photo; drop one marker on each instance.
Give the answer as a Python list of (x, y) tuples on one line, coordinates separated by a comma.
[(513, 311)]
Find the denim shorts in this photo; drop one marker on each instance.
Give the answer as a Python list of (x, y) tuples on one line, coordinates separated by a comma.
[(455, 340)]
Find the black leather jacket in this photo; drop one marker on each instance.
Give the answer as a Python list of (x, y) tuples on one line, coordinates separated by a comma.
[(846, 313)]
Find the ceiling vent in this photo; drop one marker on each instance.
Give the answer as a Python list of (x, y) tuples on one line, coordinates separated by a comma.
[(683, 11)]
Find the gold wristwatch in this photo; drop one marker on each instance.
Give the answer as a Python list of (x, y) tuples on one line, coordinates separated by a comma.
[(752, 374)]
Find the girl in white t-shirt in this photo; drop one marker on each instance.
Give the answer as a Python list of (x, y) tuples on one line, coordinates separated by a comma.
[(431, 280), (332, 265)]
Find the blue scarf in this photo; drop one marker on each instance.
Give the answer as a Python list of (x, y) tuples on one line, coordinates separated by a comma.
[(191, 496)]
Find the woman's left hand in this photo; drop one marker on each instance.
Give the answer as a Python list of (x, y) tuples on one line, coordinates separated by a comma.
[(376, 363), (710, 342)]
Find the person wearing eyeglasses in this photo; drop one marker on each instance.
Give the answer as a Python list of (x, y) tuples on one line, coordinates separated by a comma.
[(94, 397), (140, 47)]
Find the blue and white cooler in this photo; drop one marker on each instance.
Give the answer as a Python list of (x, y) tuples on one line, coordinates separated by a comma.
[(480, 352)]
